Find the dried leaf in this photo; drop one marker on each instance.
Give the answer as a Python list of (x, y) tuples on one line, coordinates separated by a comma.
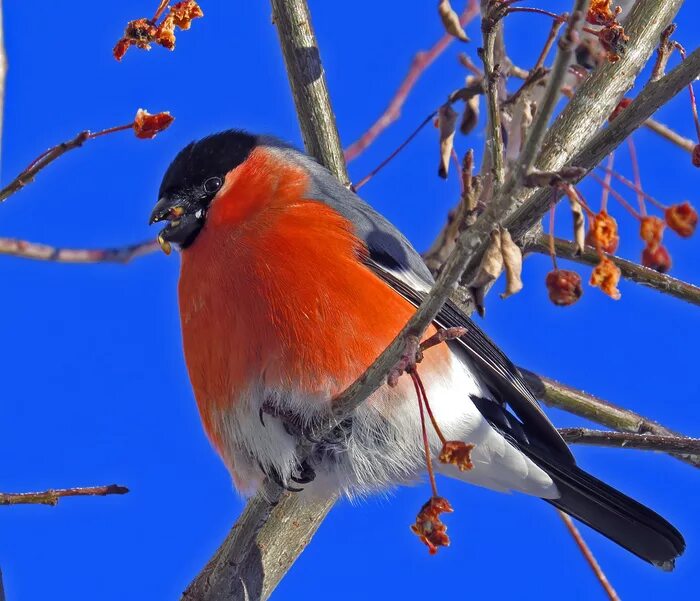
[(658, 258), (491, 264), (682, 219), (428, 525), (606, 276), (564, 287), (447, 120), (457, 453), (579, 225), (513, 263), (147, 126), (450, 20), (470, 114)]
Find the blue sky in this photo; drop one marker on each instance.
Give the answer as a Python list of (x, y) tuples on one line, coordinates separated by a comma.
[(94, 385)]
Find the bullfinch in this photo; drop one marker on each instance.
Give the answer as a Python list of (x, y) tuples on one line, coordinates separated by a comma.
[(290, 286)]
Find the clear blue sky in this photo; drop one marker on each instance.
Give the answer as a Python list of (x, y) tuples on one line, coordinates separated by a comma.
[(94, 388)]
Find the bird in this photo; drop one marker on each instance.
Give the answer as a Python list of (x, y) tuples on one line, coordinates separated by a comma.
[(290, 286)]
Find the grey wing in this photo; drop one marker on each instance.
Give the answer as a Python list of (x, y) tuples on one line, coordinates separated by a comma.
[(393, 258)]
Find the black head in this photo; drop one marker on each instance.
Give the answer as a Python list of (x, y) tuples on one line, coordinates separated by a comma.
[(193, 180)]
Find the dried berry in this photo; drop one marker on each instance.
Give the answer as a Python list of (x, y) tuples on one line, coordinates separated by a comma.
[(184, 12), (652, 231), (428, 525), (564, 287), (696, 155), (600, 12), (657, 258), (146, 126), (682, 219), (603, 232), (614, 40), (457, 453), (621, 106), (144, 32), (606, 276)]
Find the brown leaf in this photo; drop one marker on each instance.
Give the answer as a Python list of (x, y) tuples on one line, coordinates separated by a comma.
[(491, 264), (470, 114), (579, 225), (447, 120), (513, 263), (450, 20)]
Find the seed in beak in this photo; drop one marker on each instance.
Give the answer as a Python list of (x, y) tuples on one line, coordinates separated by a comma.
[(176, 212), (164, 244)]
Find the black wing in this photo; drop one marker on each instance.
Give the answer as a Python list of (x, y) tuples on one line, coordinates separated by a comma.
[(497, 371)]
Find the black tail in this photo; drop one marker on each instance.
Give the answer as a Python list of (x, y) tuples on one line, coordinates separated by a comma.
[(623, 520)]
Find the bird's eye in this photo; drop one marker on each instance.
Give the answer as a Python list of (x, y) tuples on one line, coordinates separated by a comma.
[(212, 184)]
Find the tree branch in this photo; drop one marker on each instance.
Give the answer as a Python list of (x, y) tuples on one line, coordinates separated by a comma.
[(43, 252), (53, 496), (592, 562), (3, 74), (668, 134), (555, 394), (630, 270), (627, 440), (308, 82)]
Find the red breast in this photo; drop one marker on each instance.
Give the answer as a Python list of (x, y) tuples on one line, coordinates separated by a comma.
[(273, 291)]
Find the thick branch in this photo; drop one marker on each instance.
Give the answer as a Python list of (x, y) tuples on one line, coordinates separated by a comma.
[(555, 394), (627, 440), (630, 270), (308, 82), (53, 496)]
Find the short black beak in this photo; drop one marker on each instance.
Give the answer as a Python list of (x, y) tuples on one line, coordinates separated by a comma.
[(167, 208)]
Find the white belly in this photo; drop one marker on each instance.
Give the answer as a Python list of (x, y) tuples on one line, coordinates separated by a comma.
[(384, 446)]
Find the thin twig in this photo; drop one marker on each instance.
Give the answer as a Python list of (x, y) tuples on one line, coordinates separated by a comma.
[(545, 109), (43, 252), (668, 134), (595, 409), (421, 61), (490, 28), (3, 74), (628, 440), (630, 271), (53, 496), (583, 547), (49, 156)]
